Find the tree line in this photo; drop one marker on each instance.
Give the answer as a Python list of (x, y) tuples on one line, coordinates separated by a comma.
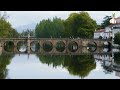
[(76, 25), (6, 29)]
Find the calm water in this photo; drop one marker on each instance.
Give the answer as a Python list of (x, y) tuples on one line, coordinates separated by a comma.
[(34, 66)]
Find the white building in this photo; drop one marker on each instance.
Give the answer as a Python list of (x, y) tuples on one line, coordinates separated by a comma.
[(103, 33), (108, 32), (115, 29), (99, 33)]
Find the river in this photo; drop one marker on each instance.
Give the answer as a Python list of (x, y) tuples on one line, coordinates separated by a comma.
[(33, 66), (104, 65)]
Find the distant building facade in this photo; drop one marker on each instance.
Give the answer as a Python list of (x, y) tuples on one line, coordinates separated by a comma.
[(99, 33), (108, 32), (103, 33)]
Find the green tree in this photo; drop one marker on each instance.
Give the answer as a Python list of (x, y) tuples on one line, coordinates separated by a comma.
[(99, 27), (14, 33), (117, 38), (48, 28), (80, 25), (106, 21), (25, 32), (6, 29), (117, 58)]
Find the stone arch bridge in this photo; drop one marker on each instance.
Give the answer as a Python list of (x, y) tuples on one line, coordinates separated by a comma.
[(81, 45)]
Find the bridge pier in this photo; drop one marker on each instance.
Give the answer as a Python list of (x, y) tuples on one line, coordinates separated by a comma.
[(28, 45), (54, 46), (66, 46), (15, 46)]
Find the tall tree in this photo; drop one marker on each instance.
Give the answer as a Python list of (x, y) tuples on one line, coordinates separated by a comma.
[(6, 29), (76, 25), (48, 28), (80, 25), (106, 21), (25, 32), (117, 38)]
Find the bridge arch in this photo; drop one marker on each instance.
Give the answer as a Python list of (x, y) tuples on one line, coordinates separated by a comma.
[(92, 46), (60, 46), (34, 46), (73, 46), (9, 46), (47, 46), (22, 46)]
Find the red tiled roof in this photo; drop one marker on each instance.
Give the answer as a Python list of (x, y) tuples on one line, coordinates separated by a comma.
[(110, 26), (117, 18), (101, 30), (113, 24)]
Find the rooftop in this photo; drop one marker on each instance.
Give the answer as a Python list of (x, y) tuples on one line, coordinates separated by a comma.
[(100, 30)]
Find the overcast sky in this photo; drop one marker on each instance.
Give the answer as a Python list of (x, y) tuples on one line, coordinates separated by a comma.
[(18, 18)]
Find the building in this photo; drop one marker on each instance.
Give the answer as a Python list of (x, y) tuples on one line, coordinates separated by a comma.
[(103, 33), (99, 33), (115, 26), (110, 31)]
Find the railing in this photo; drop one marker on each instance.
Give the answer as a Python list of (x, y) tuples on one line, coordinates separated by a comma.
[(56, 38)]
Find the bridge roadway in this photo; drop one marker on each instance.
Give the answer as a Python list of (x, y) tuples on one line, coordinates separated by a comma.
[(81, 45)]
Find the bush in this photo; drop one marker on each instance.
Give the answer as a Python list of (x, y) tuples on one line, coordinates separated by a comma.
[(117, 38)]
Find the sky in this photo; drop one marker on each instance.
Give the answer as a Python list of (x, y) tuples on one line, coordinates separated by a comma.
[(19, 18)]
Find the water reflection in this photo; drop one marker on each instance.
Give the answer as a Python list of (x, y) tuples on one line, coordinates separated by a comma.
[(110, 63), (81, 66), (4, 61), (76, 65)]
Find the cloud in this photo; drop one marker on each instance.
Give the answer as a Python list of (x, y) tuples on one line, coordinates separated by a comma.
[(99, 15), (18, 18)]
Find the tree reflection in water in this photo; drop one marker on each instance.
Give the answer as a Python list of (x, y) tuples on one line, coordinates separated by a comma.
[(80, 65), (4, 61), (117, 58)]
